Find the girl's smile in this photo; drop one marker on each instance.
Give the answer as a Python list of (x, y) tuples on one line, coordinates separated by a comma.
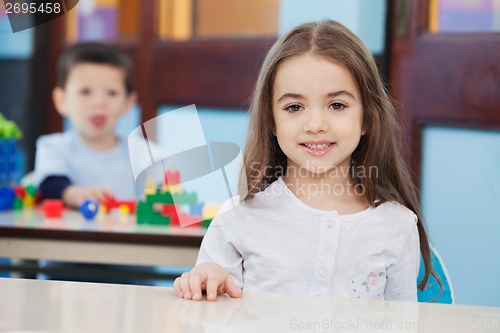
[(318, 148)]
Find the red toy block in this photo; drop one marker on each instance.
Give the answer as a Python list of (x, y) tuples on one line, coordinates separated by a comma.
[(170, 211), (52, 208), (190, 221), (112, 203), (172, 177), (20, 192)]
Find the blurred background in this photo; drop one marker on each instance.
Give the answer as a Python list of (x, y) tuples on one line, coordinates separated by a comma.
[(440, 60)]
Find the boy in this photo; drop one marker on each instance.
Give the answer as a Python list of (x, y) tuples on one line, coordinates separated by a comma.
[(94, 88)]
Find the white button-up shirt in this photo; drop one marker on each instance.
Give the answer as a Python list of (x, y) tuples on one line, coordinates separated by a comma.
[(276, 243)]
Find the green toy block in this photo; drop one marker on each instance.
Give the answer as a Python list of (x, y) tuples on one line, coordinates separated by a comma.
[(160, 197), (31, 189), (185, 198), (9, 129), (144, 213), (206, 223), (18, 203)]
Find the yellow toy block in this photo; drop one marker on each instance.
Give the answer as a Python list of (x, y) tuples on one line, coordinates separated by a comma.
[(28, 201), (175, 188), (150, 187), (209, 211), (124, 210)]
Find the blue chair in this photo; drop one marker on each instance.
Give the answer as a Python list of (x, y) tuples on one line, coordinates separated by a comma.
[(4, 261), (432, 289)]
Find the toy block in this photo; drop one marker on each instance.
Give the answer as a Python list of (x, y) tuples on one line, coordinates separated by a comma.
[(31, 190), (170, 211), (18, 204), (52, 208), (9, 154), (7, 196), (28, 201), (210, 210), (124, 209), (143, 212), (150, 187), (189, 221), (206, 223), (20, 192), (172, 177), (196, 209), (160, 197), (174, 188), (112, 203)]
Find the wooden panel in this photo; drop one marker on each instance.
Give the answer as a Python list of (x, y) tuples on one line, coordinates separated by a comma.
[(128, 20), (218, 74), (237, 18), (441, 79), (458, 77)]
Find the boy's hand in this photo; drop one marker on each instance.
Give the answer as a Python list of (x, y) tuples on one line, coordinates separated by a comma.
[(75, 195), (207, 276)]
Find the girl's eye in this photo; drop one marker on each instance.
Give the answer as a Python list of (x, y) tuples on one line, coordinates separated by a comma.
[(293, 108), (338, 106), (85, 91), (112, 93)]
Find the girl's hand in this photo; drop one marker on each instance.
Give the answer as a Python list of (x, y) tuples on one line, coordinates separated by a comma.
[(75, 195), (207, 276)]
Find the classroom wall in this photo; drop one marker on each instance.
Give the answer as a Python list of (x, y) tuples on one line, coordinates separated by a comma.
[(461, 203), (16, 50), (365, 18)]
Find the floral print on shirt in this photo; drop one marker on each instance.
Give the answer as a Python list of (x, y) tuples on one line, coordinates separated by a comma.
[(370, 282)]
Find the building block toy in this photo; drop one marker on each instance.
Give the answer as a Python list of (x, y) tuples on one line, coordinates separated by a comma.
[(52, 208), (166, 206), (17, 197), (172, 177), (7, 196), (9, 154), (89, 209), (111, 203), (209, 211)]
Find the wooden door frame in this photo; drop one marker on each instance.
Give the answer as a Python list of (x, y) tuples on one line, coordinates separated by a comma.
[(440, 79)]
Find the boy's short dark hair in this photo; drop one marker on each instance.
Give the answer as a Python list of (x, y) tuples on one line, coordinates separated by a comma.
[(94, 53)]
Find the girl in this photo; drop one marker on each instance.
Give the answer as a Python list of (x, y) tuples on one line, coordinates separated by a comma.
[(327, 207)]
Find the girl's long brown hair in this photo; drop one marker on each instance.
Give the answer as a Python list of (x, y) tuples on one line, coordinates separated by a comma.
[(379, 147)]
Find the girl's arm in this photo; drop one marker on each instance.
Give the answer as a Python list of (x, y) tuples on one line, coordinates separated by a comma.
[(402, 276), (208, 276), (219, 268)]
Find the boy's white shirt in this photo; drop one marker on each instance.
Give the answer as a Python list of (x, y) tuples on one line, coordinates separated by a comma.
[(65, 154), (275, 243)]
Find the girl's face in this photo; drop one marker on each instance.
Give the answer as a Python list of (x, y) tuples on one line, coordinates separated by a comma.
[(318, 113)]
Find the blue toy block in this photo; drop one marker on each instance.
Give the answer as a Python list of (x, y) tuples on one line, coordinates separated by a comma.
[(7, 196), (196, 210), (12, 162), (3, 163)]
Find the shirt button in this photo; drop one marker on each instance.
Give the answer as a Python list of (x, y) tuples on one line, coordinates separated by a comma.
[(331, 224), (322, 272), (327, 245)]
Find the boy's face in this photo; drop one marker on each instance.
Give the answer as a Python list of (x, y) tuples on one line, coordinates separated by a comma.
[(93, 98)]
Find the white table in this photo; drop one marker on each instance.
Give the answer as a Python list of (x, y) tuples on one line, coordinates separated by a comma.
[(111, 239), (53, 306)]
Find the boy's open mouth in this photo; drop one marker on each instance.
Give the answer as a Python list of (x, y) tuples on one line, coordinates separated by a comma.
[(98, 121)]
